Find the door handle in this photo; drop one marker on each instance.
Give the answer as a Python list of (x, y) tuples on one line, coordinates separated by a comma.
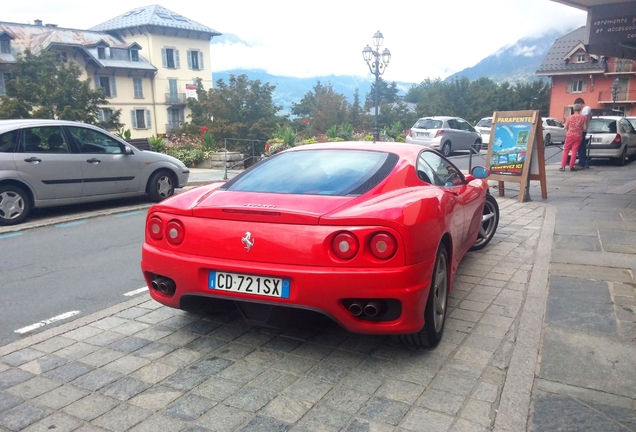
[(93, 161), (33, 159)]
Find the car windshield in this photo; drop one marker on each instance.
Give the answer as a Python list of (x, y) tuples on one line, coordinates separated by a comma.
[(602, 126), (429, 124), (484, 123), (317, 172)]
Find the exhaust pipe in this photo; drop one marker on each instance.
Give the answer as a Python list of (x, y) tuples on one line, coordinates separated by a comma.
[(355, 309), (164, 285), (372, 309)]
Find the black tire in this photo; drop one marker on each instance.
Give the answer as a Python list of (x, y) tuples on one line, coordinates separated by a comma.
[(15, 205), (436, 306), (160, 186), (476, 148), (548, 140), (489, 223), (446, 149), (620, 161)]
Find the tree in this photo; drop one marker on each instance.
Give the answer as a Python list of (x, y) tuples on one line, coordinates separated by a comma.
[(242, 109), (42, 86), (386, 92), (323, 106)]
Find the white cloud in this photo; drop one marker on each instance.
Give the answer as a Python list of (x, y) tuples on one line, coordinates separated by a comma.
[(426, 39)]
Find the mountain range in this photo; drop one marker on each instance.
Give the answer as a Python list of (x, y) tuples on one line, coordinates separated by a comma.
[(513, 63)]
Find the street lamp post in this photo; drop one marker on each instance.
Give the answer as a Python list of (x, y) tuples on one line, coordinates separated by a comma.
[(616, 88), (377, 65)]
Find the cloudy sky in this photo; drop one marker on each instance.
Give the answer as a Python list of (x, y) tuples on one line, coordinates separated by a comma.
[(306, 39)]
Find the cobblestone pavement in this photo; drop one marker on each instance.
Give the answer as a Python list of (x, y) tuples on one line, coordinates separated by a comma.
[(140, 366)]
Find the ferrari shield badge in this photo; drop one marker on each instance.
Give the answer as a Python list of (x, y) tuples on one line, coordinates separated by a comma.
[(248, 241)]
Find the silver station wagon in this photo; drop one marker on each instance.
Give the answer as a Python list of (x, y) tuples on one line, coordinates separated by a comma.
[(47, 163)]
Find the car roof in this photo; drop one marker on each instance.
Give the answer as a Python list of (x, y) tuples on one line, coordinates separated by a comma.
[(439, 118), (9, 124), (608, 117), (401, 149)]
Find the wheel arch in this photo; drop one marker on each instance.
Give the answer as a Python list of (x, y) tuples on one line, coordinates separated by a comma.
[(21, 185)]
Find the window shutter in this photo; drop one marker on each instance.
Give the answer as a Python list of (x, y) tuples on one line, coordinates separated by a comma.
[(568, 89), (100, 115), (148, 122), (133, 115), (181, 115), (3, 89), (201, 60), (164, 57), (176, 59), (584, 85), (189, 59), (113, 87), (97, 82)]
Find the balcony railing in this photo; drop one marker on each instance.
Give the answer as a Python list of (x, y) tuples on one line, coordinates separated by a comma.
[(620, 66), (171, 127), (175, 98), (624, 96)]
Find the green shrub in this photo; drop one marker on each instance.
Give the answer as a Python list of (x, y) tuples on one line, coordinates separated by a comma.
[(190, 156), (336, 139), (345, 131), (123, 134), (332, 132), (310, 141), (399, 138), (368, 138), (208, 141), (157, 144)]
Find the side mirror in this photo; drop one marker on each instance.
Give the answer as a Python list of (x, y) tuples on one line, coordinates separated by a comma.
[(128, 150), (480, 172)]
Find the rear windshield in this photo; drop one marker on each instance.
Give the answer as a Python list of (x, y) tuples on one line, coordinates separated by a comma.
[(601, 126), (317, 172), (484, 123), (428, 124)]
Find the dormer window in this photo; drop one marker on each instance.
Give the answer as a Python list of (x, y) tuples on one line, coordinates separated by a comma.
[(5, 46), (134, 55), (580, 58), (101, 53)]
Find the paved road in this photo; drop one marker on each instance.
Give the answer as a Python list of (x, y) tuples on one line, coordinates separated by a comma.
[(68, 269)]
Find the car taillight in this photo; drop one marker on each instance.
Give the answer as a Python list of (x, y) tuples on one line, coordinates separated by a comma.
[(345, 245), (617, 139), (155, 228), (383, 246), (411, 133), (439, 133), (175, 232)]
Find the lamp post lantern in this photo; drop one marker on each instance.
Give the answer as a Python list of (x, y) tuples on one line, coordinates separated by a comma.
[(377, 65), (616, 88)]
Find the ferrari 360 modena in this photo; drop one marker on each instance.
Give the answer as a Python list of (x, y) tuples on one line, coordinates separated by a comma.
[(368, 234)]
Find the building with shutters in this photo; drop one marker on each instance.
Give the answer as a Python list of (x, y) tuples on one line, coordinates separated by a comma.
[(603, 82), (146, 60)]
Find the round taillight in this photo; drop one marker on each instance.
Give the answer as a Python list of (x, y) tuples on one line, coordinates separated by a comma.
[(383, 246), (155, 228), (175, 232), (345, 245)]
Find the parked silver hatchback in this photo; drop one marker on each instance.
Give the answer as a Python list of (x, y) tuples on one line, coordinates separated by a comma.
[(46, 163), (445, 134)]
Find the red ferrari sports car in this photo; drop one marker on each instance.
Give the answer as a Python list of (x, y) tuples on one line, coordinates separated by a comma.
[(368, 234)]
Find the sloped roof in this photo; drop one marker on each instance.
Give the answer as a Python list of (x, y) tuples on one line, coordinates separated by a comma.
[(554, 62), (37, 38), (153, 15)]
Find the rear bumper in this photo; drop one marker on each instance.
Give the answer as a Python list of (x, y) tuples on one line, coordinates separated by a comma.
[(321, 289)]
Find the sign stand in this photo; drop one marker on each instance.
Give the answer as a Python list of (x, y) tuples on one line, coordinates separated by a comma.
[(517, 152)]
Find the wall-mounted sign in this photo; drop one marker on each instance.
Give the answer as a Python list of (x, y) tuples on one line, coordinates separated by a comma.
[(191, 91)]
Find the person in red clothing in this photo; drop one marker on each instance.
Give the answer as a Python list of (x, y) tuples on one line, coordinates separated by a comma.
[(575, 125)]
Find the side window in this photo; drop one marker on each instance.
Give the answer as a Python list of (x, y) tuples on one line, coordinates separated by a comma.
[(92, 141), (465, 126), (8, 141), (47, 139), (444, 172), (452, 123)]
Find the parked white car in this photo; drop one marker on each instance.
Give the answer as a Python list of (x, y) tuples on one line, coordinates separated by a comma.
[(553, 131), (484, 126), (611, 137)]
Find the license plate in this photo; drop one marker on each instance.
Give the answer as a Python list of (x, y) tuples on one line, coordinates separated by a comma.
[(422, 134), (597, 140), (249, 284)]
